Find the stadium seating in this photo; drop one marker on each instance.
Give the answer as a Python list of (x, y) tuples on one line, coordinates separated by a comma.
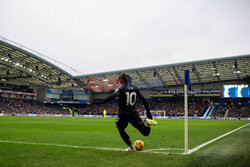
[(172, 108)]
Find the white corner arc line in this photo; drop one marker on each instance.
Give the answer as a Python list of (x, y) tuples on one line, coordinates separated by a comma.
[(217, 138), (167, 153), (158, 149)]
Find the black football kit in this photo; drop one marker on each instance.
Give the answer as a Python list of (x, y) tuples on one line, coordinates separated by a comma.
[(127, 99)]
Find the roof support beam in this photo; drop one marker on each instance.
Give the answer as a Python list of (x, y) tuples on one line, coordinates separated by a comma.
[(236, 70), (160, 78), (12, 65), (115, 81), (216, 72), (4, 69), (105, 78), (17, 77), (70, 81), (79, 83), (178, 76), (172, 76), (19, 59), (10, 57), (143, 80), (196, 73), (8, 74)]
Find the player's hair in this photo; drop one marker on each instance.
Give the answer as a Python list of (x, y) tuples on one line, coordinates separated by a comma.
[(123, 78)]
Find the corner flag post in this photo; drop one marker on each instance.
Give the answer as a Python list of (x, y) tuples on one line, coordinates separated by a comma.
[(187, 85)]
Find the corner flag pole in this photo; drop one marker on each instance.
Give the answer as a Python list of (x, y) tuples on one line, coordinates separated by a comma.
[(187, 85), (186, 118)]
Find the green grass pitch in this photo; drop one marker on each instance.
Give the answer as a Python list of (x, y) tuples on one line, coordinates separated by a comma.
[(50, 141)]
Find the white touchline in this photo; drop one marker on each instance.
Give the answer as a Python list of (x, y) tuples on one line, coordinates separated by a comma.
[(217, 138), (72, 146)]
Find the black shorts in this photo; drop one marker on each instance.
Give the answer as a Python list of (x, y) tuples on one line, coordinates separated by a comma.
[(129, 117)]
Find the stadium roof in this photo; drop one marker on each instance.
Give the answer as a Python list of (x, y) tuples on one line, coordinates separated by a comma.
[(236, 69), (20, 64)]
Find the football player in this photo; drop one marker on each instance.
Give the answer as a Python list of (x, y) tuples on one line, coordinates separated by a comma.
[(127, 97)]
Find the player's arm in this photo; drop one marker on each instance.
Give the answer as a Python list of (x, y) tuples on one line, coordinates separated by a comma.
[(108, 99), (145, 103), (111, 97)]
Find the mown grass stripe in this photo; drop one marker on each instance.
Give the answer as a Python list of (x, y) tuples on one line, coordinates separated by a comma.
[(213, 140)]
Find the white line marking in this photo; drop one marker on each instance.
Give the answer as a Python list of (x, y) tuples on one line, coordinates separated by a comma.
[(217, 138), (165, 149), (61, 145), (72, 146), (168, 153)]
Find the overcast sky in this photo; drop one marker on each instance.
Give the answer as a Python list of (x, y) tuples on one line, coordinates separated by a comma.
[(105, 35)]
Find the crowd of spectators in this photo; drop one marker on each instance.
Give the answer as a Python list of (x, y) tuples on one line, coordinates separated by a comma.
[(172, 108), (112, 109), (233, 110), (176, 108), (19, 106), (220, 111)]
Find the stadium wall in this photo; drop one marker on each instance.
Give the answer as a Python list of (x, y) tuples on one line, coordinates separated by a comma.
[(41, 94), (100, 95)]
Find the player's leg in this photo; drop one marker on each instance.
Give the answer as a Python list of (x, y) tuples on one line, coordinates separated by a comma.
[(137, 122), (149, 120), (121, 125)]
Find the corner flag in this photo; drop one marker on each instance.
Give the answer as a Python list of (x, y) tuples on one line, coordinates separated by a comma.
[(187, 85), (187, 79)]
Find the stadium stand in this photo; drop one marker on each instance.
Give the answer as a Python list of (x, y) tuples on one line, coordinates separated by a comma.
[(32, 84)]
